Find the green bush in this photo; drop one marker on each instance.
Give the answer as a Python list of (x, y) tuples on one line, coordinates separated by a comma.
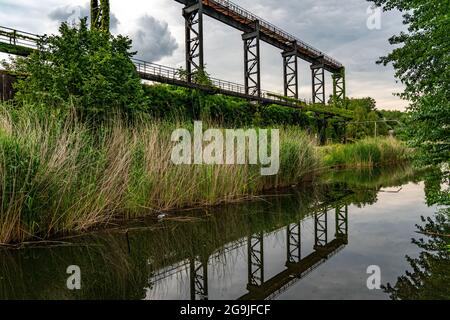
[(91, 69)]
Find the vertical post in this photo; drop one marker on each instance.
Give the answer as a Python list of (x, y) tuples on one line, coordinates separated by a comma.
[(255, 247), (322, 130), (252, 61), (342, 223), (100, 15), (199, 278), (339, 86), (290, 71), (318, 83), (293, 244), (320, 229), (193, 16)]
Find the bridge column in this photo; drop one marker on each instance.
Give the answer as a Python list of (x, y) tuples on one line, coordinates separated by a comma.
[(342, 223), (199, 278), (293, 243), (318, 83), (339, 86), (322, 129), (290, 68), (252, 61), (320, 229), (193, 16), (255, 246)]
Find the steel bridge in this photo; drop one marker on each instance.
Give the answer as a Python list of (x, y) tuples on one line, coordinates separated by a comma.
[(254, 30)]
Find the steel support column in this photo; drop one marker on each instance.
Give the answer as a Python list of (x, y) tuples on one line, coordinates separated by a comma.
[(318, 83), (290, 71), (342, 222), (199, 278), (255, 246), (252, 62), (293, 243), (193, 16), (322, 125), (339, 86), (320, 229)]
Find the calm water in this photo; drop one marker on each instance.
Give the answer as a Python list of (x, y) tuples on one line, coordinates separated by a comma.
[(313, 242)]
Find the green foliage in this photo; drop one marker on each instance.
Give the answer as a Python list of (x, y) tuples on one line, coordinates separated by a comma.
[(89, 68), (366, 152), (422, 62), (430, 270)]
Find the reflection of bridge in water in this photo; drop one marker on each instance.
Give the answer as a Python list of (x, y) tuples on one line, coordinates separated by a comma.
[(296, 266)]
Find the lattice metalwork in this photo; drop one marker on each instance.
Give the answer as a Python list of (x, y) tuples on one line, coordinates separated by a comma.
[(293, 243), (339, 86), (342, 222), (193, 16), (318, 84), (290, 70), (255, 246), (252, 61), (199, 278), (320, 229)]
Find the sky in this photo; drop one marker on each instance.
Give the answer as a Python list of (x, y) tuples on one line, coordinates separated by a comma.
[(349, 31)]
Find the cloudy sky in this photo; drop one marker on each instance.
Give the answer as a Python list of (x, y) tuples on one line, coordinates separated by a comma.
[(338, 28)]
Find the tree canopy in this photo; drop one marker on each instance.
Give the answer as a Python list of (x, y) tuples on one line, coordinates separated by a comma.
[(422, 63)]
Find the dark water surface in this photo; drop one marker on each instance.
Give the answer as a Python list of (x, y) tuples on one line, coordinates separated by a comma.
[(311, 242)]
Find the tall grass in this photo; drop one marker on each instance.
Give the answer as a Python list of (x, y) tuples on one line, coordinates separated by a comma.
[(368, 152), (58, 175)]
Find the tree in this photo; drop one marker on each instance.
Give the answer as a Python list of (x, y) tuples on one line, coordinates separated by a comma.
[(89, 68), (422, 63), (429, 274)]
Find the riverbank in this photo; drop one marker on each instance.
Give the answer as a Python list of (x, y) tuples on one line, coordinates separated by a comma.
[(59, 175)]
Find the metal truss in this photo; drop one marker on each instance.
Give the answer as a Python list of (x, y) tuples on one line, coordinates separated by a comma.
[(293, 243), (199, 278), (193, 16), (255, 245), (318, 83), (342, 222), (339, 85), (320, 229), (290, 68), (252, 61)]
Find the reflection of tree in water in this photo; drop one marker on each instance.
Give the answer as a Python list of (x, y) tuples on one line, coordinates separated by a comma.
[(431, 270)]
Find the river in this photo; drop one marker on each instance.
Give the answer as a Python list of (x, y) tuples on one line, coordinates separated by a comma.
[(339, 237)]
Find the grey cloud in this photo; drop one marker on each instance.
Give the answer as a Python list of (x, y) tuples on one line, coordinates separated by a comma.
[(152, 39), (74, 13)]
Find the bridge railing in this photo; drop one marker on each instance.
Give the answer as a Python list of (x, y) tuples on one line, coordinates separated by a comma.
[(29, 40), (18, 38), (230, 6), (156, 70)]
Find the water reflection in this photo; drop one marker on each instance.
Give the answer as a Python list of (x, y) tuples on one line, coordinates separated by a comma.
[(253, 250)]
